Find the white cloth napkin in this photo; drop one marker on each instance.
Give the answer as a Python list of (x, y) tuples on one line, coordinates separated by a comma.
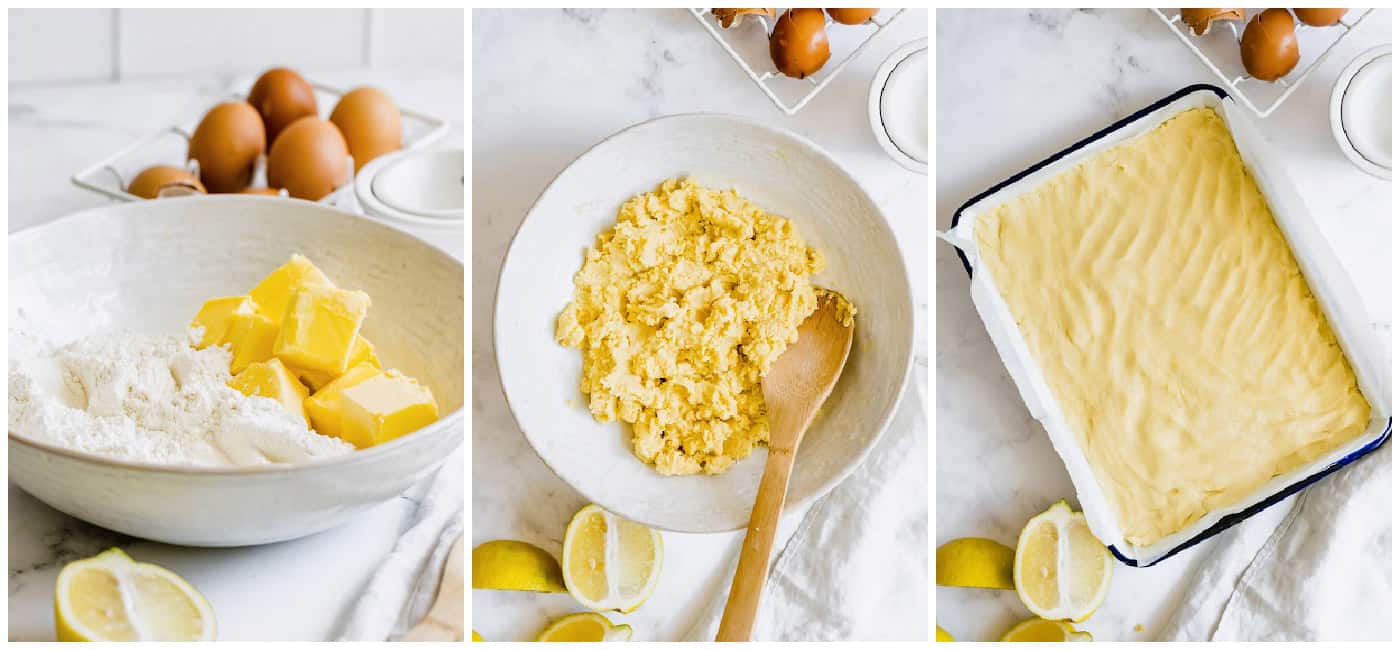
[(856, 567), (403, 588), (1323, 575)]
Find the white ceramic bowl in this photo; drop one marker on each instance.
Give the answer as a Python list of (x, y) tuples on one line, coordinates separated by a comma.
[(146, 267), (1376, 87), (782, 173)]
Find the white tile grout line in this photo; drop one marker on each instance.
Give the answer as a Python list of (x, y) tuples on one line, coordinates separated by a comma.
[(116, 45)]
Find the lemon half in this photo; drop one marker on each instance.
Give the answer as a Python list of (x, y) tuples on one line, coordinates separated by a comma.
[(1062, 571), (110, 597), (610, 562), (509, 564), (1041, 630), (975, 562), (943, 635), (586, 627)]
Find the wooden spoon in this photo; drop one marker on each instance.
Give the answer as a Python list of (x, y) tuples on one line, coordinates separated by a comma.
[(794, 387)]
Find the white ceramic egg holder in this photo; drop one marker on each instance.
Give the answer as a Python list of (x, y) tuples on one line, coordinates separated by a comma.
[(109, 176), (1266, 96), (749, 49)]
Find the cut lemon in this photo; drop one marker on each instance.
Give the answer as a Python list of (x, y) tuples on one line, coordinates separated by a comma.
[(586, 627), (110, 597), (610, 562), (1041, 630), (975, 562), (476, 637), (1062, 571), (508, 564), (943, 635)]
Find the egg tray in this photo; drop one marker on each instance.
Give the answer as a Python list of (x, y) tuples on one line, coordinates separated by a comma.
[(169, 146), (1219, 49), (746, 41)]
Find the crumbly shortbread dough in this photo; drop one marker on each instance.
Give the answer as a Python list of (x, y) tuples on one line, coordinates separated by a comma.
[(1172, 324), (153, 399), (679, 309)]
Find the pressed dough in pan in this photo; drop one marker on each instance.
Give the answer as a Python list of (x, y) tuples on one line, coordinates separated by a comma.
[(1172, 324)]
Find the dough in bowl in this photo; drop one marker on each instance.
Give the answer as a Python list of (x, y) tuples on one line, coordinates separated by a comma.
[(679, 309)]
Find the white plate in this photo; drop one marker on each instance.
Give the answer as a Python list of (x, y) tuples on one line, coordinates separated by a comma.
[(146, 267), (782, 173)]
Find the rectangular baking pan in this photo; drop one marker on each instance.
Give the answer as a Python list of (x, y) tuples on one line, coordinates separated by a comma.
[(1325, 276)]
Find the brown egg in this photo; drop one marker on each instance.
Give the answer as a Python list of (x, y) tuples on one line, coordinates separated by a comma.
[(265, 191), (798, 45), (728, 17), (1269, 47), (227, 143), (1199, 20), (370, 122), (152, 180), (281, 96), (852, 16), (1320, 17), (308, 159)]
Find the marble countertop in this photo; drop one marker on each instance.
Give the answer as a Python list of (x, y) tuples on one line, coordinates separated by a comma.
[(291, 591), (1014, 86), (546, 85)]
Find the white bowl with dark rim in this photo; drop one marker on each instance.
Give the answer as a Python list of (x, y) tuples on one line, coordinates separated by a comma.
[(783, 174), (146, 267)]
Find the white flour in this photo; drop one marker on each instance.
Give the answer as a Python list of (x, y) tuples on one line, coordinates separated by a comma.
[(152, 399)]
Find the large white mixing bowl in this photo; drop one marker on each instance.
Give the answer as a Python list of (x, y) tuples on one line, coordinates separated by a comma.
[(781, 173), (146, 267)]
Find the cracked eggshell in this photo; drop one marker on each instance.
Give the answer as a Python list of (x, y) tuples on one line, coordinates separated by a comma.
[(799, 45), (1269, 47)]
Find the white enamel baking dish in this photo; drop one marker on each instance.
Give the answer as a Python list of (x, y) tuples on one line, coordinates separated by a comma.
[(1324, 273)]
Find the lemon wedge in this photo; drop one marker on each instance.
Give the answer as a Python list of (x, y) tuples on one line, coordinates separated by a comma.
[(610, 562), (1062, 571), (587, 627), (975, 562), (943, 635), (110, 597), (1041, 630), (476, 637), (509, 564)]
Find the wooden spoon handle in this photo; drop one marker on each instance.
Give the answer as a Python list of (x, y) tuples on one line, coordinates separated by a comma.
[(742, 606)]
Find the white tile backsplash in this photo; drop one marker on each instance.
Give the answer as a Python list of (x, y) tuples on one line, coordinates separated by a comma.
[(159, 42), (61, 44), (112, 44), (429, 38)]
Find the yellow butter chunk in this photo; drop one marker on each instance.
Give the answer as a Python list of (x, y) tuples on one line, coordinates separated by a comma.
[(274, 293), (217, 314), (325, 408), (320, 327), (274, 380), (250, 337), (385, 407), (362, 352)]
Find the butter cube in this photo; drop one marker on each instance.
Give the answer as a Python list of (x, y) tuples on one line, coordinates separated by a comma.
[(274, 380), (362, 352), (216, 315), (385, 407), (325, 407), (274, 293), (250, 337), (319, 330)]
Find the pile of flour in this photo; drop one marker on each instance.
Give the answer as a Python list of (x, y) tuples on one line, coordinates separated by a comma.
[(152, 399)]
